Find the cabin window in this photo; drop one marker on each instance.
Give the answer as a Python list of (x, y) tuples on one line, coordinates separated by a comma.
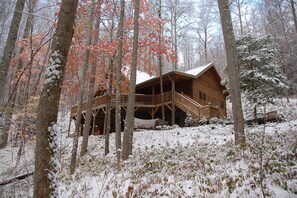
[(222, 105), (202, 96)]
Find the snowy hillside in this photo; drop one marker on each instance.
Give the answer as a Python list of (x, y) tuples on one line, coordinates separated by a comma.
[(181, 162)]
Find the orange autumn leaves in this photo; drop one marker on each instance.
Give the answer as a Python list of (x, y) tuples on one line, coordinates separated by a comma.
[(104, 45)]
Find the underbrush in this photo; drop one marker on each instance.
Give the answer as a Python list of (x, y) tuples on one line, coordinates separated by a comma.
[(193, 170)]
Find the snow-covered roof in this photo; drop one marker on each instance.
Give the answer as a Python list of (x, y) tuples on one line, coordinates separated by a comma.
[(198, 70), (142, 77)]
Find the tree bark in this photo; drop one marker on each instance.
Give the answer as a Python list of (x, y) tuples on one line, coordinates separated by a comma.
[(120, 34), (4, 65), (86, 132), (80, 96), (128, 133), (11, 104), (27, 91), (27, 34), (240, 16), (294, 13), (108, 107), (46, 164), (36, 91), (9, 47), (160, 62), (175, 40), (232, 71), (109, 92)]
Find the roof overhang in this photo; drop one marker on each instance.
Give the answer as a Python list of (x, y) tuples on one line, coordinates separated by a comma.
[(191, 74)]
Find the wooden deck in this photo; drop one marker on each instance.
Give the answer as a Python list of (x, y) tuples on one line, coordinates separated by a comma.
[(183, 102)]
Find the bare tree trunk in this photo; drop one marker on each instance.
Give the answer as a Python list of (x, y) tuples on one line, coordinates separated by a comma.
[(5, 13), (9, 47), (160, 61), (109, 92), (108, 107), (294, 14), (36, 91), (81, 94), (239, 16), (128, 133), (27, 34), (12, 103), (118, 82), (232, 70), (4, 65), (46, 128), (287, 42), (161, 87), (175, 41), (25, 102), (87, 127), (205, 46)]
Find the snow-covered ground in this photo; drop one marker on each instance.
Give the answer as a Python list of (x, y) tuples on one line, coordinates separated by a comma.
[(181, 162)]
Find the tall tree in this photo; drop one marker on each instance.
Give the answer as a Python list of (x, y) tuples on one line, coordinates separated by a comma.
[(128, 132), (28, 31), (88, 119), (109, 86), (160, 57), (260, 76), (178, 11), (119, 58), (5, 12), (280, 28), (6, 58), (294, 14), (28, 34), (108, 107), (9, 47), (232, 70), (239, 4), (81, 91), (206, 18), (46, 128)]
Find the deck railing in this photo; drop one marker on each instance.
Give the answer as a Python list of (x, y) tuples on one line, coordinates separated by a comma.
[(207, 111), (193, 107), (140, 100)]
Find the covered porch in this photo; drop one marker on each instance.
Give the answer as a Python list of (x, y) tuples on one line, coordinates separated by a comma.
[(176, 106)]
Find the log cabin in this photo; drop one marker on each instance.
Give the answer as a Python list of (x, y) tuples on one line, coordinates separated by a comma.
[(197, 92)]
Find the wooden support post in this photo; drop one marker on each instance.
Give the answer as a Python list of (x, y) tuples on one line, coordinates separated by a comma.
[(170, 108), (136, 109), (94, 114), (104, 111), (152, 113)]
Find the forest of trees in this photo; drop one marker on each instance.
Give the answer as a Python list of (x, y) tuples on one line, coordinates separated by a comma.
[(55, 54)]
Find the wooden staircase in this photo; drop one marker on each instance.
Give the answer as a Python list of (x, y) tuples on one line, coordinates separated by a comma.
[(188, 105), (197, 111)]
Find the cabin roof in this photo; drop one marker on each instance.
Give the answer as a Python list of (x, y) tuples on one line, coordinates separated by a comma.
[(191, 74), (142, 77), (199, 70)]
